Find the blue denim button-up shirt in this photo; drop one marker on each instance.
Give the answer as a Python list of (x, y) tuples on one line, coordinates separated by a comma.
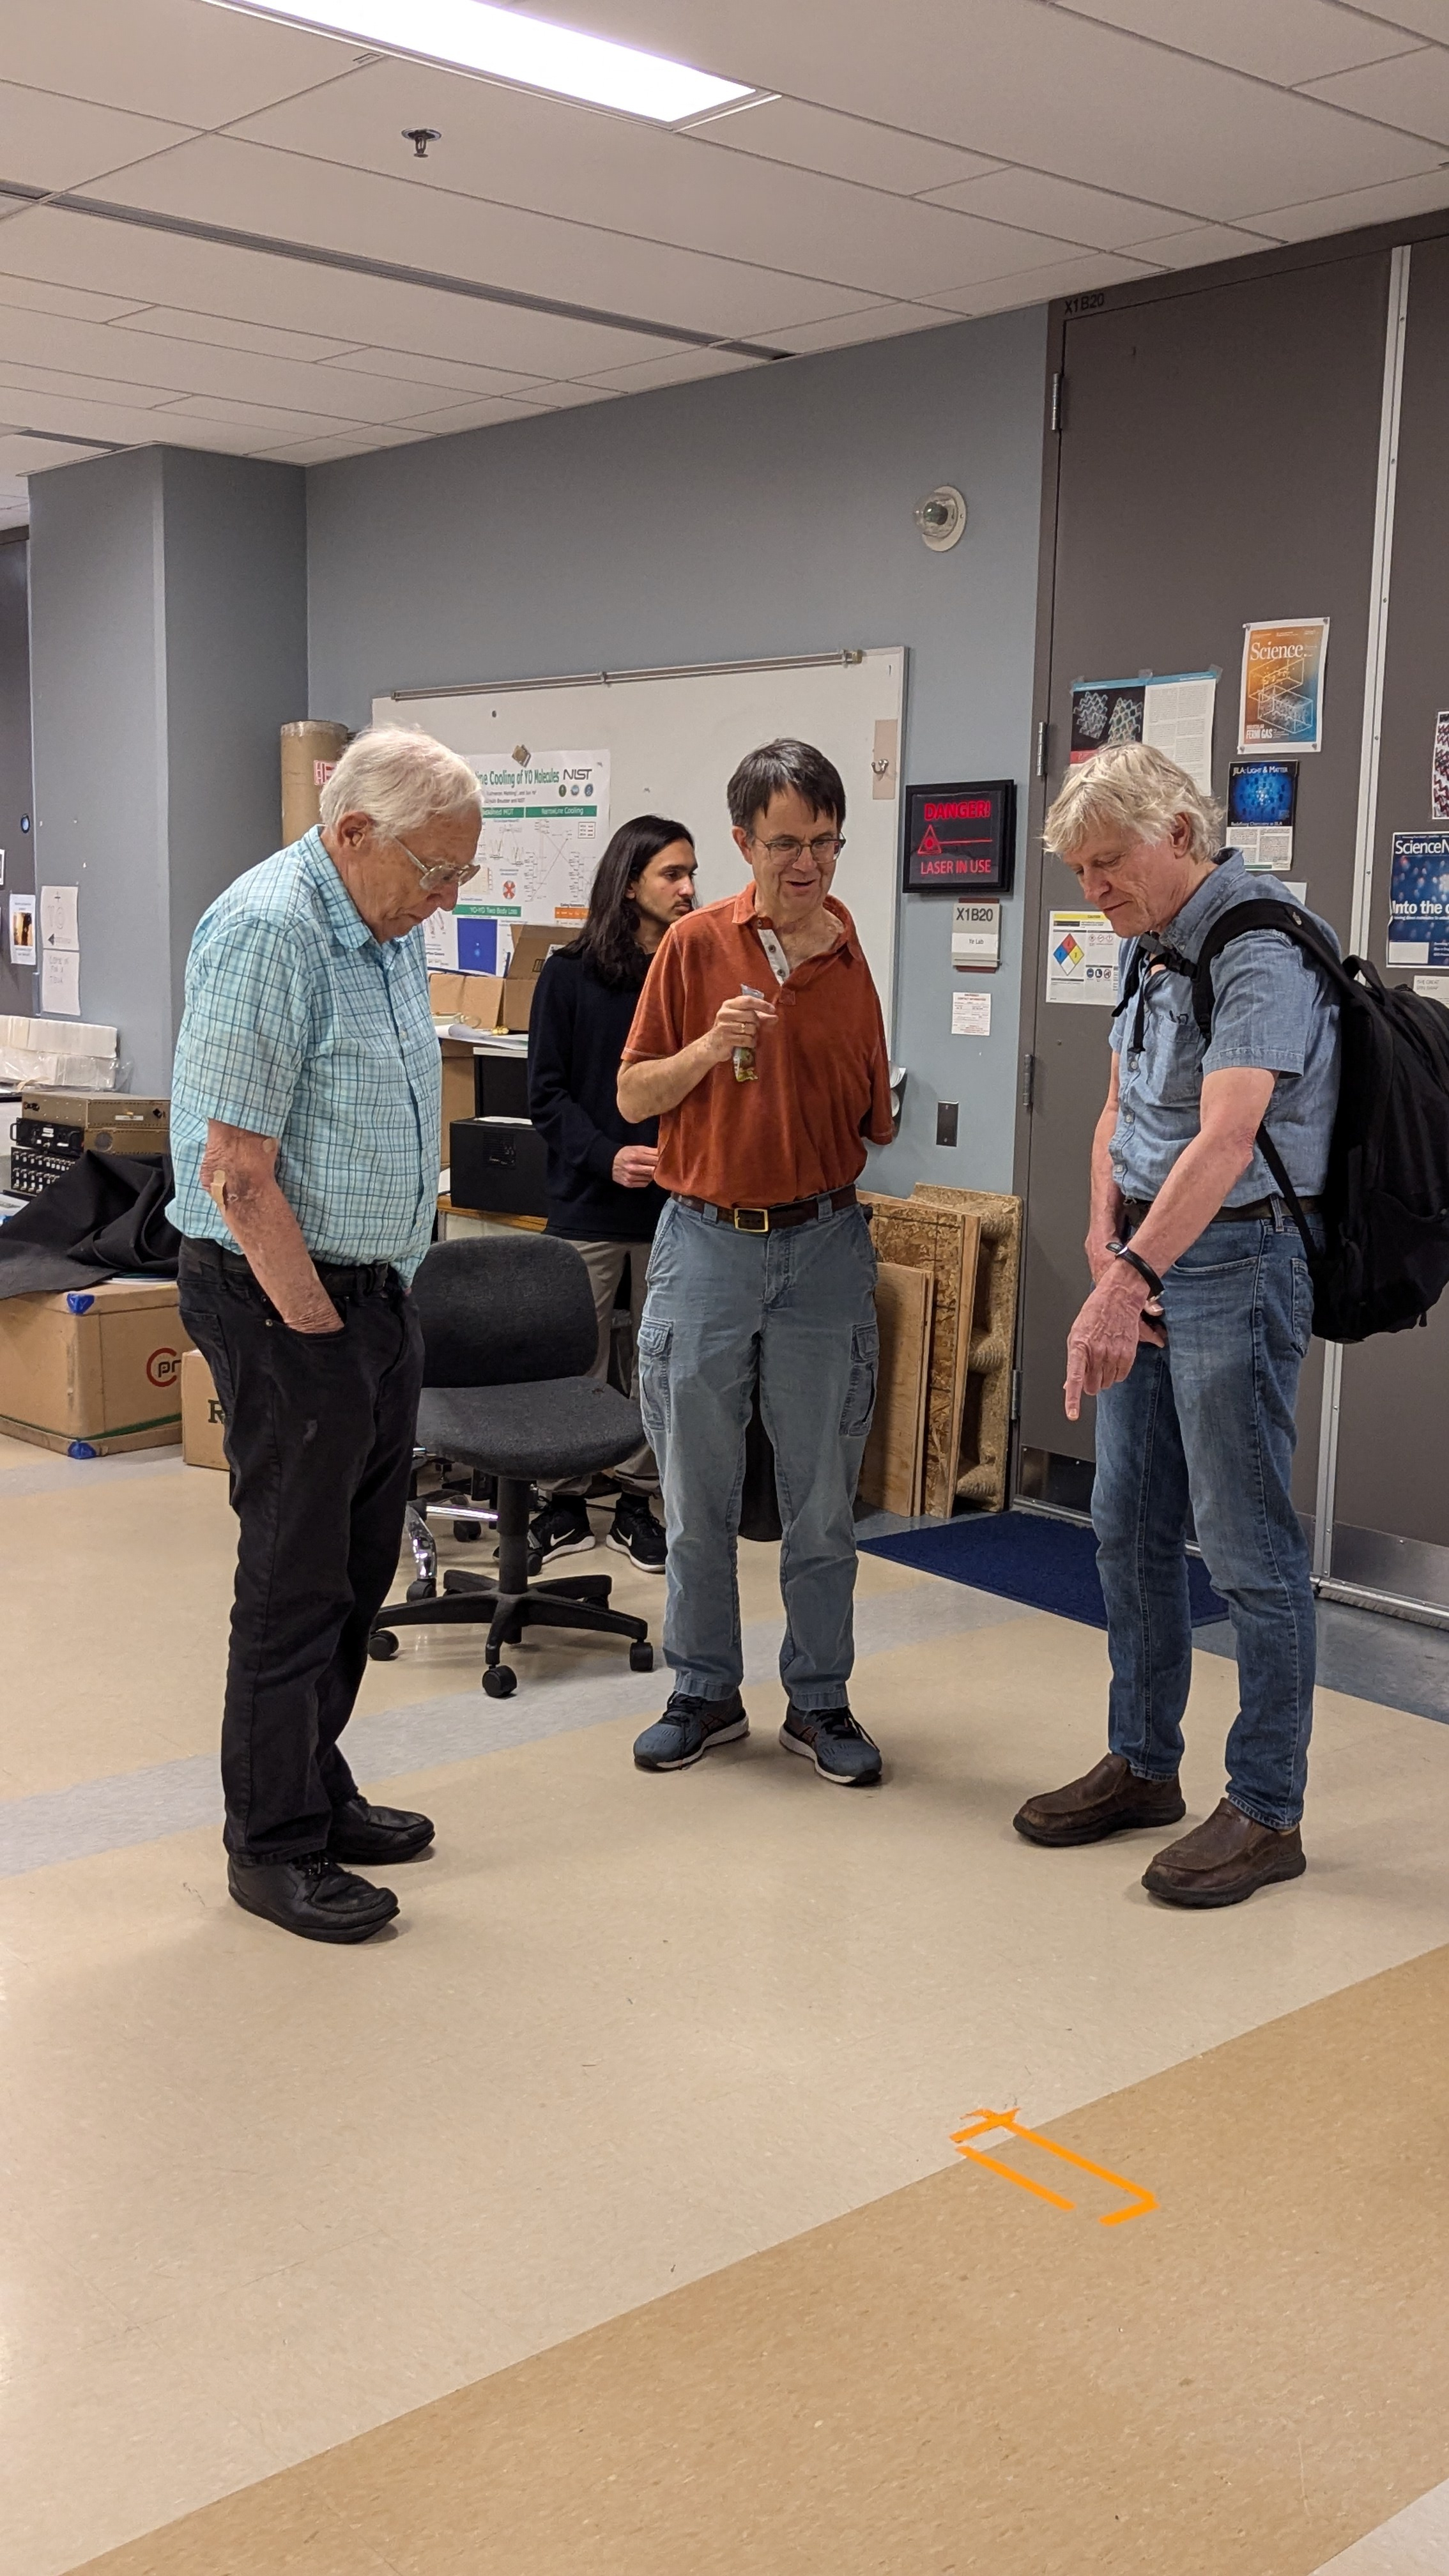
[(300, 1025), (1270, 1013)]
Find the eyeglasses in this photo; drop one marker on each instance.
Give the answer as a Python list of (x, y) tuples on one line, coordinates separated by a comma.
[(827, 845), (434, 876)]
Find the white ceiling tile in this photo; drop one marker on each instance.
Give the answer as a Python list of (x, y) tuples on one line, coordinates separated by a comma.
[(326, 451), (122, 423), (51, 245), (1286, 41), (691, 366), (253, 420), (846, 147), (450, 373), (20, 378), (77, 303), (1198, 243), (170, 58), (1062, 208), (1031, 84), (1080, 276), (14, 496), (160, 368), (49, 142), (1345, 212), (218, 331), (500, 150), (1426, 17), (1411, 91), (448, 417), (254, 187), (22, 455), (877, 322)]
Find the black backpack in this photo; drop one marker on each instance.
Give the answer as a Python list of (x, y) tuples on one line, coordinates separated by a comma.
[(1385, 1258)]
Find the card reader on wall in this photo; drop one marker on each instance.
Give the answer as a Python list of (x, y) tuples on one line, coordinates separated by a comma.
[(498, 1166)]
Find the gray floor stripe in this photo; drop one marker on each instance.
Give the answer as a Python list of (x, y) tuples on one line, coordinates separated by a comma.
[(170, 1797)]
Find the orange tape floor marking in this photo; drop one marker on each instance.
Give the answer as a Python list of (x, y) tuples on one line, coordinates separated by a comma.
[(983, 2121)]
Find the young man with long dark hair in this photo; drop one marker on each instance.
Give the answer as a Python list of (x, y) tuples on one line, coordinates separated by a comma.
[(601, 1192)]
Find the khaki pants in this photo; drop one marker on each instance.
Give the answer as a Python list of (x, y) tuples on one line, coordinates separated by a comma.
[(604, 1262)]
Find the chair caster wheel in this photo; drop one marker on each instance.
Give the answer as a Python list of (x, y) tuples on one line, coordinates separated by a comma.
[(425, 1589), (382, 1645), (641, 1659), (468, 1531), (499, 1682)]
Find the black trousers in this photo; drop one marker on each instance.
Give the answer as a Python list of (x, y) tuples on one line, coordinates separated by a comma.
[(319, 1438)]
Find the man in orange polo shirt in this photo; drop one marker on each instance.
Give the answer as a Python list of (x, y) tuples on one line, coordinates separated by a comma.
[(758, 1046)]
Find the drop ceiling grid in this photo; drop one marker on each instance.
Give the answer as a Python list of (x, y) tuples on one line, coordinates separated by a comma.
[(1069, 143)]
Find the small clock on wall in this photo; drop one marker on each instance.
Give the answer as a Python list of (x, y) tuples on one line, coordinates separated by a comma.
[(961, 838)]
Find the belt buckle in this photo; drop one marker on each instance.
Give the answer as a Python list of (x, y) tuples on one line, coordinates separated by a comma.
[(738, 1216)]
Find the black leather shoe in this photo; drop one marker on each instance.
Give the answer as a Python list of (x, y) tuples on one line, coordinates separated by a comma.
[(310, 1896), (363, 1832)]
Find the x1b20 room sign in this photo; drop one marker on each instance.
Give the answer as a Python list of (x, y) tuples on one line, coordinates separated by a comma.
[(961, 839)]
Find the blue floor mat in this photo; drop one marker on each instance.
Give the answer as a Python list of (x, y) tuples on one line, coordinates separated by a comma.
[(1049, 1564)]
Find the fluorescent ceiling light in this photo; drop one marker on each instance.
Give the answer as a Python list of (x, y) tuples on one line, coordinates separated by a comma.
[(473, 36)]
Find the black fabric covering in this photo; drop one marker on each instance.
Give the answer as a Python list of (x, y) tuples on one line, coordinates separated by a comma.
[(106, 1220), (508, 1333)]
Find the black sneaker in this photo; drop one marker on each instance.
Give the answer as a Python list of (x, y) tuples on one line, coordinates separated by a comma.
[(688, 1729), (837, 1744), (637, 1534), (562, 1528)]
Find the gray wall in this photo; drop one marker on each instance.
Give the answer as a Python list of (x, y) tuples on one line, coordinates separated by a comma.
[(17, 984), (168, 628), (764, 513)]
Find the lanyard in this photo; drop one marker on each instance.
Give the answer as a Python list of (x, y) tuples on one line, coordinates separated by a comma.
[(773, 950)]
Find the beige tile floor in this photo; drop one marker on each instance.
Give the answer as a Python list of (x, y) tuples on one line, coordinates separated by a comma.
[(260, 2197)]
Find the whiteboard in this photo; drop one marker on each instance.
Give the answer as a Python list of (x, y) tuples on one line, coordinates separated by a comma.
[(674, 737)]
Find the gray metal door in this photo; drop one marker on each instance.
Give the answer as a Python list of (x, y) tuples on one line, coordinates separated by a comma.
[(1217, 462)]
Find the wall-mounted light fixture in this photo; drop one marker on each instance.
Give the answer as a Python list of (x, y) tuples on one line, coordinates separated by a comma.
[(941, 518)]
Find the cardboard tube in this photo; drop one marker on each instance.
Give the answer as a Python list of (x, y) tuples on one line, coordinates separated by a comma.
[(310, 752)]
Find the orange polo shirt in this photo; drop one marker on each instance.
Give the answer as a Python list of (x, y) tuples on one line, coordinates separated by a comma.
[(823, 1082)]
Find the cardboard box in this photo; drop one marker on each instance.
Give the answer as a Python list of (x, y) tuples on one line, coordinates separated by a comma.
[(93, 1369), (203, 1424), (492, 1002)]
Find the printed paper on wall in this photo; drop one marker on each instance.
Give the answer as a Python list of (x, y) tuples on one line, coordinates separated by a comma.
[(1281, 705)]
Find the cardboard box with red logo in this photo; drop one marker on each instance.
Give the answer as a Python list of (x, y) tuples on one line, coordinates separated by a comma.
[(93, 1369), (203, 1423)]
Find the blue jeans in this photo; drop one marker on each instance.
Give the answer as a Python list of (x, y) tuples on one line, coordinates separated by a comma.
[(799, 1307), (1207, 1427)]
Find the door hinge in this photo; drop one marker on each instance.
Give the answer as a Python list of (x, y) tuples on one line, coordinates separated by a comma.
[(1043, 737), (1016, 1395), (1028, 1083), (1059, 399)]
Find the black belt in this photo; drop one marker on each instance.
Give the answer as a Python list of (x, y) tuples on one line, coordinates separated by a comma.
[(771, 1220), (1254, 1212), (339, 1278)]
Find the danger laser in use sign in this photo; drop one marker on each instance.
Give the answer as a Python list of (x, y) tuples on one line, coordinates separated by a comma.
[(961, 837)]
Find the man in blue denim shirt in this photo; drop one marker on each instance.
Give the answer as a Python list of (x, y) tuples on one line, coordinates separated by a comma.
[(1197, 1386)]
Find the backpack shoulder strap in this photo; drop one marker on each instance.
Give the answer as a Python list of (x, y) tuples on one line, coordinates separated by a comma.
[(1131, 979), (1289, 920)]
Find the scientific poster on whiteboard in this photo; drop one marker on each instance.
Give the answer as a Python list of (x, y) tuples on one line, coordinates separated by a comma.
[(545, 823), (1173, 713)]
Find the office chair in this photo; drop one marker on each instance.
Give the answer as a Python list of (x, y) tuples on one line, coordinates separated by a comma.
[(508, 1331)]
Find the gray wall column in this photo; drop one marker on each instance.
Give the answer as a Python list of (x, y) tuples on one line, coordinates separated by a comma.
[(168, 638)]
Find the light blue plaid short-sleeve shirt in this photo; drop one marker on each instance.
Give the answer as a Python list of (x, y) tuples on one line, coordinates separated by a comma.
[(300, 1025)]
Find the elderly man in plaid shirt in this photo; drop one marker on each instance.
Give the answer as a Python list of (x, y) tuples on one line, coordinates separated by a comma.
[(305, 1121)]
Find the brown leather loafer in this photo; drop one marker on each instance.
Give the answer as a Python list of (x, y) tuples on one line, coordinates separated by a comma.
[(1108, 1800), (1224, 1860)]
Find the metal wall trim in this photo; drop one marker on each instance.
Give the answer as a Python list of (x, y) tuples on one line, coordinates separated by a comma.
[(1380, 583)]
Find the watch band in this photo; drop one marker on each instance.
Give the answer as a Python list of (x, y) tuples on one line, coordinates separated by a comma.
[(1124, 1252)]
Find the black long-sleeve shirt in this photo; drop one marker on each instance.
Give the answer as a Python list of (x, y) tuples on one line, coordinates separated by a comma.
[(577, 1030)]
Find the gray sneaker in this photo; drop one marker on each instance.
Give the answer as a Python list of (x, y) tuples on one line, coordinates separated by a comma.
[(689, 1728), (835, 1742)]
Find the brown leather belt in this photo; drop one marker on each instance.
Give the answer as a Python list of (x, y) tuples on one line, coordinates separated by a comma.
[(1255, 1211), (772, 1220)]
